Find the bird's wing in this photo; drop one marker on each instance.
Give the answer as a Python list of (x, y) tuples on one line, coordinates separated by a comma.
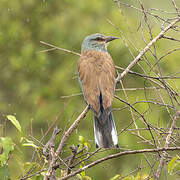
[(97, 73)]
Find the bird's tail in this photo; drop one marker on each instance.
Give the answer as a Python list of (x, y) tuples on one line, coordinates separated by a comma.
[(105, 131)]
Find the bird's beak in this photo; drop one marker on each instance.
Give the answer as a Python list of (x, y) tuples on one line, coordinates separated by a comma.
[(110, 38)]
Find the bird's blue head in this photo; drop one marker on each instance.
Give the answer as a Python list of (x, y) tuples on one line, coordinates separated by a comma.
[(97, 42)]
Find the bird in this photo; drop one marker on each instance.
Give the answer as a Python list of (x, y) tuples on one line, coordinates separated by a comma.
[(96, 72)]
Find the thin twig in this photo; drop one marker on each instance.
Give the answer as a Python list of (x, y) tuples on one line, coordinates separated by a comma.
[(74, 153), (171, 38), (55, 47), (175, 7)]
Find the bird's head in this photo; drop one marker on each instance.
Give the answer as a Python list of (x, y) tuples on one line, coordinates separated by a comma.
[(97, 42)]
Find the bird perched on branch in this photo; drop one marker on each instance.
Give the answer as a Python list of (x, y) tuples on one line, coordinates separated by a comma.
[(97, 78)]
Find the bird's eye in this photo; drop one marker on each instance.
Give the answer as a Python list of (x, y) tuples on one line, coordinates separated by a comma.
[(99, 39)]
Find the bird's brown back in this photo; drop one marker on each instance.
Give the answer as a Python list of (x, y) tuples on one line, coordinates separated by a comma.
[(97, 74)]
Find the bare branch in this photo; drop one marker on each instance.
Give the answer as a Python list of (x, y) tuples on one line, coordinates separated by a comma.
[(171, 38), (51, 143), (162, 160), (74, 152), (116, 156), (55, 47), (175, 6), (63, 141), (134, 62)]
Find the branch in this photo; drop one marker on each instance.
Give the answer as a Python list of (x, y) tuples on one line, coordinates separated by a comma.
[(144, 120), (74, 153), (135, 61), (51, 143), (175, 6), (63, 141), (55, 47), (161, 164), (116, 156)]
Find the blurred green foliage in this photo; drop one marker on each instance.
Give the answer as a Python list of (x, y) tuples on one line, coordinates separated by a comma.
[(33, 82)]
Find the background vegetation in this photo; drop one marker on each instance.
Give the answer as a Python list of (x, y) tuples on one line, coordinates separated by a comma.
[(34, 84)]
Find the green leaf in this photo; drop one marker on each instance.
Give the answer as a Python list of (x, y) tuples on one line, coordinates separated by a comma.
[(4, 173), (129, 178), (116, 177), (7, 146), (172, 164), (83, 141), (86, 178), (141, 176), (83, 172), (177, 166), (79, 177), (39, 177), (30, 143), (14, 121)]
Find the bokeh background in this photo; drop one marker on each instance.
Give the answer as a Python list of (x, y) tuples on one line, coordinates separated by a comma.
[(33, 83)]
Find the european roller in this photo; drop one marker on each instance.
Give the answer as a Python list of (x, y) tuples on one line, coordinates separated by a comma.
[(96, 71)]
